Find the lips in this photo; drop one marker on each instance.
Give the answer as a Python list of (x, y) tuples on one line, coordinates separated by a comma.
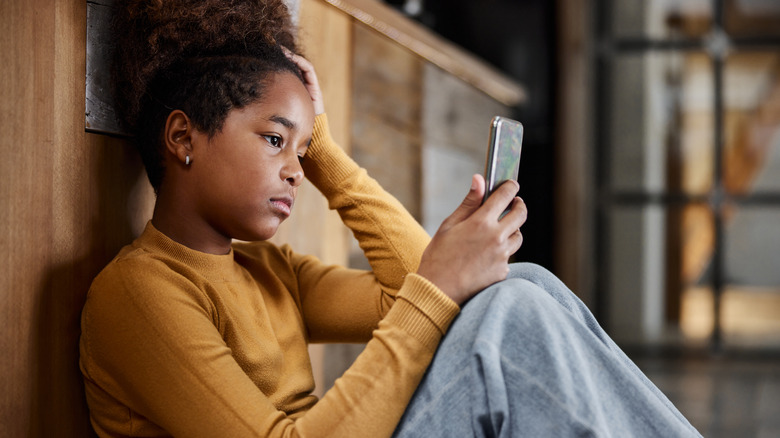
[(283, 205)]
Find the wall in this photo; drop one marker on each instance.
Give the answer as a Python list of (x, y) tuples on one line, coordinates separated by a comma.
[(68, 201)]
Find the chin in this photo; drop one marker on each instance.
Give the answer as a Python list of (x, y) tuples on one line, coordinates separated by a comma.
[(260, 234), (258, 237)]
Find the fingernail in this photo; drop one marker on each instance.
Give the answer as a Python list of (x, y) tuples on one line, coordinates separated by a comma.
[(473, 184)]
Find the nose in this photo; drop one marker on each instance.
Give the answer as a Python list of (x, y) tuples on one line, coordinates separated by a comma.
[(292, 172)]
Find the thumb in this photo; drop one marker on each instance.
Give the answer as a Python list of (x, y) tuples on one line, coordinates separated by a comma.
[(470, 203)]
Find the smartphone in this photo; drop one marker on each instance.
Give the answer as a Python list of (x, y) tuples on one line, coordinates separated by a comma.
[(503, 155)]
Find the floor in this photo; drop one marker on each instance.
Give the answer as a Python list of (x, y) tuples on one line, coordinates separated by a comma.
[(722, 397)]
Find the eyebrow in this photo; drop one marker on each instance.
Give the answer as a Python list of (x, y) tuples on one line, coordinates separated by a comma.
[(289, 124)]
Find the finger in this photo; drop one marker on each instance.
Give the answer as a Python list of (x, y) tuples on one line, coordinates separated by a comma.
[(515, 218), (500, 199), (299, 60), (471, 202), (514, 242), (306, 68), (310, 79), (517, 215)]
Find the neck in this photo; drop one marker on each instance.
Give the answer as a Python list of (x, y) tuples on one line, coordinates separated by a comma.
[(173, 216)]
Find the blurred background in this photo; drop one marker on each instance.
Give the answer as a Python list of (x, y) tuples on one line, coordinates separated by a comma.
[(684, 103), (666, 113)]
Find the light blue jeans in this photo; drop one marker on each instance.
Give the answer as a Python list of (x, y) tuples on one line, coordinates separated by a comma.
[(526, 358)]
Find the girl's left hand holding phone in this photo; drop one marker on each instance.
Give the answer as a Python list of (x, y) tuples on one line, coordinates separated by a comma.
[(471, 249)]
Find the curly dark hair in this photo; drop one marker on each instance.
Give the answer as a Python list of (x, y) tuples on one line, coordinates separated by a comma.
[(201, 57)]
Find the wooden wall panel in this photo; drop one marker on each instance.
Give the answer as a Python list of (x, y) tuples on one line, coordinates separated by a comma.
[(31, 129), (21, 262), (68, 202), (387, 124), (105, 203)]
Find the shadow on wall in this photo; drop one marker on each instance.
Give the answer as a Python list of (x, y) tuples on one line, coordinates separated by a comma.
[(118, 211)]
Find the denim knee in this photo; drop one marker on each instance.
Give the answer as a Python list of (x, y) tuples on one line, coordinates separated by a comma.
[(536, 274), (514, 301)]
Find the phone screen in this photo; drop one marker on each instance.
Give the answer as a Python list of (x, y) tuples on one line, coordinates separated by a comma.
[(503, 162)]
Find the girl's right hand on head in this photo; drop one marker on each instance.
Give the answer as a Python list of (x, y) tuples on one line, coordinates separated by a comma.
[(471, 249), (309, 80)]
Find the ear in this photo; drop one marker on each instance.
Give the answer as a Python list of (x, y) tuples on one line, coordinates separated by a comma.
[(178, 135)]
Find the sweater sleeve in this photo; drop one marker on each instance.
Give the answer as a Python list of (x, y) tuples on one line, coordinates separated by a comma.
[(372, 395), (392, 240), (343, 305)]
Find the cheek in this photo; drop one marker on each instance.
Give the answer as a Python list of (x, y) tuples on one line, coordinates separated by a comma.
[(258, 179), (235, 181), (264, 171)]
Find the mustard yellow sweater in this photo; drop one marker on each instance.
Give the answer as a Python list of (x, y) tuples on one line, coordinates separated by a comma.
[(179, 342)]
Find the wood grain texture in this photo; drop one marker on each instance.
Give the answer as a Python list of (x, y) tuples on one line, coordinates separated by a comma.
[(387, 123), (68, 201)]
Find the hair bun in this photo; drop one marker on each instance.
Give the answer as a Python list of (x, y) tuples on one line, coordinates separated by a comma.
[(152, 35)]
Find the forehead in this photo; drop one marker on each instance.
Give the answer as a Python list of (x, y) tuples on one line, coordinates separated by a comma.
[(284, 98)]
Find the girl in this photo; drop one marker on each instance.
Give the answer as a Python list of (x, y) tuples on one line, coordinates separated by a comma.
[(189, 333)]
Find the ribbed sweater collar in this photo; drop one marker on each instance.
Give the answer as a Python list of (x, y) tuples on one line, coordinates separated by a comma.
[(209, 265)]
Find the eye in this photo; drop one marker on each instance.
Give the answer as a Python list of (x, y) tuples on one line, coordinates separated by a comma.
[(273, 140), (302, 153)]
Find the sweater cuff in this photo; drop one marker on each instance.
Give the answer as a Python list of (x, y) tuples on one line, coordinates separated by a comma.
[(423, 310), (326, 164)]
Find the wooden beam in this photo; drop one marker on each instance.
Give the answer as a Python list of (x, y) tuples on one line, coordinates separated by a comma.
[(434, 49)]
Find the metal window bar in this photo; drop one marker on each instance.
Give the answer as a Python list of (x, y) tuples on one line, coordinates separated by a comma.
[(601, 168), (716, 45), (718, 55)]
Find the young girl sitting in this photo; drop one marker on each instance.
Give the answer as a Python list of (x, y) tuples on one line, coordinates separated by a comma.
[(188, 332)]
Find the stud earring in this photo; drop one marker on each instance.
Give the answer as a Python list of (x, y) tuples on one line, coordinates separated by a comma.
[(187, 160)]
